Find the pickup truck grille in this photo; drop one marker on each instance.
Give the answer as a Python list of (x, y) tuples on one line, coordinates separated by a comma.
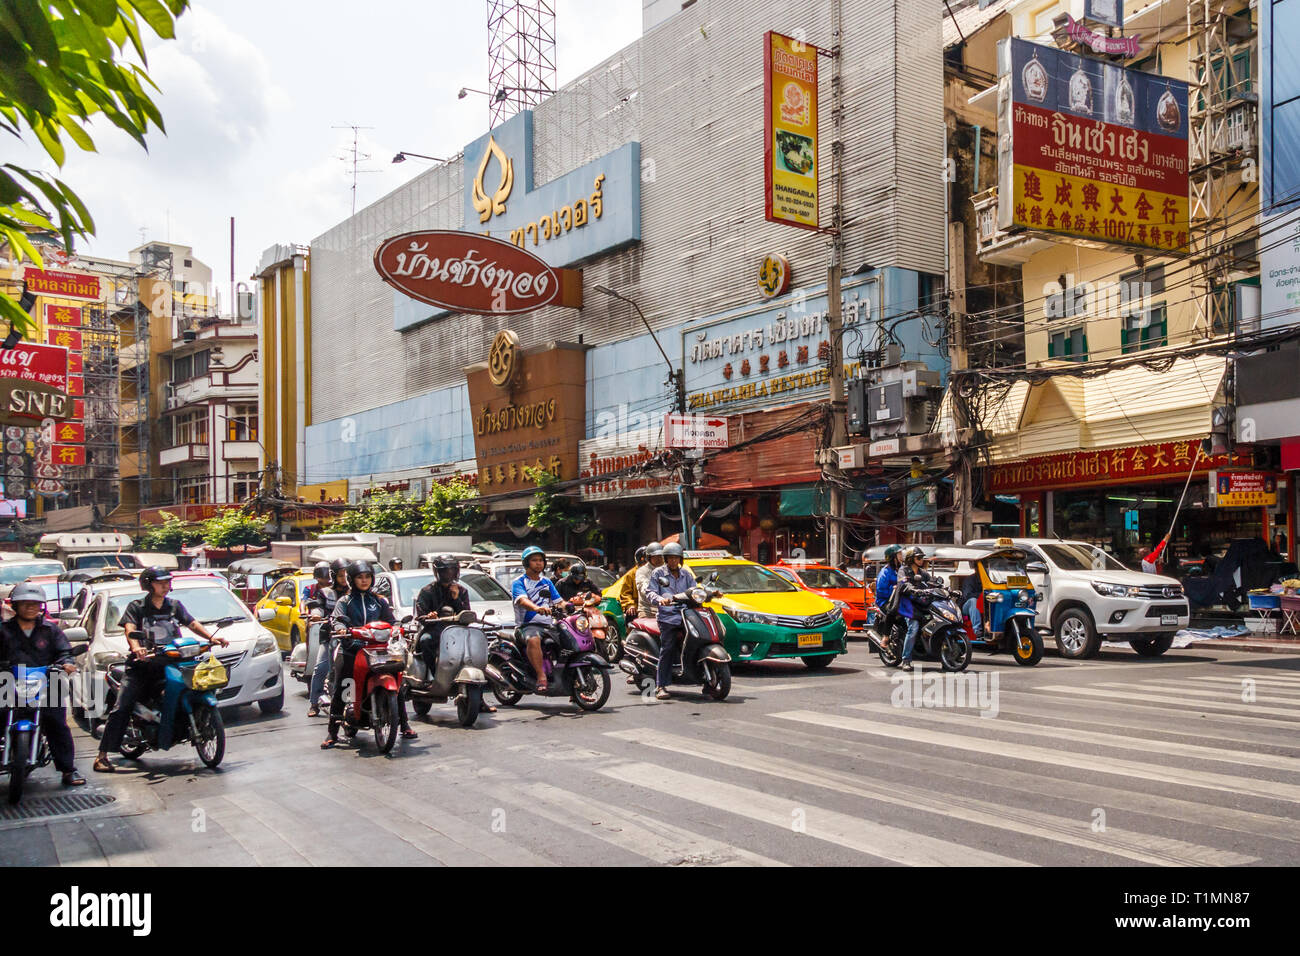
[(1156, 592)]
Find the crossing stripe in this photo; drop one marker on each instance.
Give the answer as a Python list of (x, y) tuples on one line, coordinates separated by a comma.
[(1262, 692), (1125, 702), (1261, 680), (1143, 848), (257, 838), (853, 833), (1170, 748), (1229, 783), (1232, 707)]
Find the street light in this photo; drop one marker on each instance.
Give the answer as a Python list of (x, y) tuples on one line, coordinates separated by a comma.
[(403, 156), (465, 90)]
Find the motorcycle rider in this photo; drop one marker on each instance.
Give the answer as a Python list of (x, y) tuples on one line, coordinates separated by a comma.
[(654, 558), (142, 620), (444, 591), (886, 582), (360, 606), (321, 605), (914, 581), (672, 578), (575, 584), (534, 594), (627, 589), (394, 564), (28, 639)]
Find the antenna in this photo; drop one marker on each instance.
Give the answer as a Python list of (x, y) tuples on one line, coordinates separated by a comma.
[(354, 157)]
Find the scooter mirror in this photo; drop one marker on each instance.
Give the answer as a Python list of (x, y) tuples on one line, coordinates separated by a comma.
[(466, 617), (489, 612)]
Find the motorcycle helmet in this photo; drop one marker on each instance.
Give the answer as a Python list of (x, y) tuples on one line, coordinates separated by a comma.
[(357, 568), (654, 550), (149, 575), (395, 564), (578, 571), (892, 551), (321, 572), (447, 568), (529, 552), (26, 591), (639, 557), (673, 550), (912, 554)]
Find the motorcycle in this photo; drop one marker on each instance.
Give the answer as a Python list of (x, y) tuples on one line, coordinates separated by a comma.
[(376, 680), (459, 672), (703, 659), (182, 707), (603, 631), (23, 747), (943, 634), (573, 668)]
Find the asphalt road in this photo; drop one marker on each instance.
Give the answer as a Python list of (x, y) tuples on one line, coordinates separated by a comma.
[(1193, 759)]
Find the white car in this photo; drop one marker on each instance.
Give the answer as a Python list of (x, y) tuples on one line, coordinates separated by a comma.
[(1086, 595), (400, 589), (252, 659)]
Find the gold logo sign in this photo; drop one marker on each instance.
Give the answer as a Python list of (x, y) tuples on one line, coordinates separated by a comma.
[(504, 359), (494, 205), (773, 275)]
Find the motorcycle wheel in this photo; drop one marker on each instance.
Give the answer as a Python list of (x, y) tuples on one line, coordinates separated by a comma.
[(132, 751), (720, 686), (955, 652), (1028, 646), (468, 705), (422, 707), (384, 718), (211, 745), (612, 648), (22, 742), (888, 653), (594, 690), (506, 695)]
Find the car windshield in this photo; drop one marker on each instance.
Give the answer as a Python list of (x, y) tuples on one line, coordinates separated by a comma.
[(1080, 557), (12, 573), (827, 578), (507, 576), (743, 578), (599, 578), (409, 587), (482, 587), (105, 561), (61, 591), (1000, 569), (205, 604)]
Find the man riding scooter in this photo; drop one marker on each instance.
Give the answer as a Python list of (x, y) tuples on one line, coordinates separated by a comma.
[(144, 617), (321, 606), (444, 592), (672, 578), (914, 586), (534, 594), (28, 639), (575, 584), (654, 558)]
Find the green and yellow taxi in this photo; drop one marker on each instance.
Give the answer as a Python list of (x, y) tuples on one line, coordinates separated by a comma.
[(765, 617), (287, 598)]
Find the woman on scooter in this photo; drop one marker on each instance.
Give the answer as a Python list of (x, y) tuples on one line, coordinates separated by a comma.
[(913, 584), (360, 606)]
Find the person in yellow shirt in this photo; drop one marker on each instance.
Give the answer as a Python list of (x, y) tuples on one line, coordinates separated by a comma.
[(627, 589)]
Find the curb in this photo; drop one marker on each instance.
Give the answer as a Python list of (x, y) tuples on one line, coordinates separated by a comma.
[(1229, 644)]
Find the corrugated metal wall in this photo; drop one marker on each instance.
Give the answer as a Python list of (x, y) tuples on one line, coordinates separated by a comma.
[(698, 113)]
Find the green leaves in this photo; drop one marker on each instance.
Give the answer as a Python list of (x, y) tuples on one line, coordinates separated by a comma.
[(442, 512), (170, 536), (59, 69), (231, 529)]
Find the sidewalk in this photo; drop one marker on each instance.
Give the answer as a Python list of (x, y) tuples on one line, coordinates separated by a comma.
[(1254, 636)]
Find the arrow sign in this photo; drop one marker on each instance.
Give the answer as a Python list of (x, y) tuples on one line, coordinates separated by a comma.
[(694, 431)]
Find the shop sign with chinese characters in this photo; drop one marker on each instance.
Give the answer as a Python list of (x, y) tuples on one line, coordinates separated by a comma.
[(1091, 149), (1112, 466), (1242, 489)]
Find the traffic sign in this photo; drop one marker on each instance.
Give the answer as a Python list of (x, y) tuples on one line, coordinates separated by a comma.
[(695, 431)]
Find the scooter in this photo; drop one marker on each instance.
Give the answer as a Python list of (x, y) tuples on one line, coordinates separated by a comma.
[(573, 668), (603, 631), (23, 747), (943, 634), (459, 673), (372, 701), (182, 707), (703, 659)]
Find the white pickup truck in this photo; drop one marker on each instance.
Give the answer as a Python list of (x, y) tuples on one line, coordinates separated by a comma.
[(1085, 595)]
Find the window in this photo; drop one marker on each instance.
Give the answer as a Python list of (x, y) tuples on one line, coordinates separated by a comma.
[(1145, 319), (1145, 330), (241, 423), (194, 491), (186, 367), (190, 428), (244, 485), (200, 365), (1072, 346)]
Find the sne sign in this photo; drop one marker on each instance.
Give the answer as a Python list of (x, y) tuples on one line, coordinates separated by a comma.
[(464, 272)]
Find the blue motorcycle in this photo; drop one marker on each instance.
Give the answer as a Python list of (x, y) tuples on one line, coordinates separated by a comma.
[(182, 707), (23, 747)]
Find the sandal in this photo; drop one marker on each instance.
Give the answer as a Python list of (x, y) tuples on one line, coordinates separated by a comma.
[(662, 694), (313, 712), (102, 765), (487, 708), (328, 743), (409, 734), (73, 779)]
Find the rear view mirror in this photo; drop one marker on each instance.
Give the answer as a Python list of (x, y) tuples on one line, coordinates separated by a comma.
[(489, 612), (284, 602), (265, 614), (76, 635), (1038, 567)]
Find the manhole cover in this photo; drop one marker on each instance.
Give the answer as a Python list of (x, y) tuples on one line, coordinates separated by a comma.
[(54, 806)]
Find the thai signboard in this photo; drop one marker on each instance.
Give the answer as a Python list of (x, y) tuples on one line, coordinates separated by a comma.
[(1098, 41), (33, 384), (790, 126), (66, 285), (601, 462), (695, 431), (1242, 489), (1133, 464), (1091, 150)]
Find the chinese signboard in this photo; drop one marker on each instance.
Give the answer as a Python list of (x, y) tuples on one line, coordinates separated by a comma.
[(68, 455), (1242, 489), (1136, 463), (1092, 150), (70, 433), (67, 285), (66, 338), (790, 124), (62, 315)]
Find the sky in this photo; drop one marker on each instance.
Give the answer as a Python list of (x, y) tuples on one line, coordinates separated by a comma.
[(253, 92)]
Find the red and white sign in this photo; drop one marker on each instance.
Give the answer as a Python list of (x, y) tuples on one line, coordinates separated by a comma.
[(1100, 43), (79, 408), (70, 433), (68, 455), (67, 285), (66, 338), (695, 431), (40, 364), (62, 315), (464, 272)]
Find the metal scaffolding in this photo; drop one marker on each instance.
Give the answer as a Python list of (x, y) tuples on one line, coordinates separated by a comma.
[(521, 56)]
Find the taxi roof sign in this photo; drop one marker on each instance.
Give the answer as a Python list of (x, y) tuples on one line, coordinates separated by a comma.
[(1006, 543), (709, 554)]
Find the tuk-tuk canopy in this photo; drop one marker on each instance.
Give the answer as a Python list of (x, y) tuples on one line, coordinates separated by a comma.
[(260, 566)]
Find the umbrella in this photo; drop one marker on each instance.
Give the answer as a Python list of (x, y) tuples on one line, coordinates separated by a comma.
[(703, 542)]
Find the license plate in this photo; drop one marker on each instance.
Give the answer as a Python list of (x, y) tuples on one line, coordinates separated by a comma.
[(1017, 581), (810, 640), (1168, 620)]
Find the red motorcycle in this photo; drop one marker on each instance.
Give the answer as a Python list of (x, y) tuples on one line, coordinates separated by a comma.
[(371, 702)]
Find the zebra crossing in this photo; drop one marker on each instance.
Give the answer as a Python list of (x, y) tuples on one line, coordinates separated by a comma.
[(1151, 767)]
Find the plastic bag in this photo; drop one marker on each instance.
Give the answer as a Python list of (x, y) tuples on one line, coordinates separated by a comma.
[(210, 673)]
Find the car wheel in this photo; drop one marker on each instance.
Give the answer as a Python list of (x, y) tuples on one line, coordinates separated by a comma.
[(294, 638), (1076, 636), (819, 662), (1152, 646), (273, 705)]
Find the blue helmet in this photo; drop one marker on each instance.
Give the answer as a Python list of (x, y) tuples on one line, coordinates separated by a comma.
[(529, 552)]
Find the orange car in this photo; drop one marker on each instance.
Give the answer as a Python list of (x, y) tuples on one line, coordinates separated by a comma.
[(858, 605)]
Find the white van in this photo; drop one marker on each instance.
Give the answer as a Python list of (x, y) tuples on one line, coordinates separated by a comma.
[(88, 549)]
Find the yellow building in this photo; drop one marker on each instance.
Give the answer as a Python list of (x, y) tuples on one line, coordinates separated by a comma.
[(284, 344)]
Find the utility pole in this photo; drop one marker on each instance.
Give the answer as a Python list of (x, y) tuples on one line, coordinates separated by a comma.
[(835, 318), (959, 362)]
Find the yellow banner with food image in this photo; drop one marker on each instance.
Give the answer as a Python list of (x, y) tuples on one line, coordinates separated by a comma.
[(790, 100)]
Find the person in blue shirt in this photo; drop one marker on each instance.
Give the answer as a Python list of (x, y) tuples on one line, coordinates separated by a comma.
[(534, 594), (886, 582), (672, 578)]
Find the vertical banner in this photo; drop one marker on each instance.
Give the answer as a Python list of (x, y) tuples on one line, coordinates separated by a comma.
[(62, 315), (1097, 151), (790, 125)]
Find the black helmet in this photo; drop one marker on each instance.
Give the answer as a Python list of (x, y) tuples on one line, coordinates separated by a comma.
[(395, 564), (447, 568), (640, 556), (149, 575), (578, 571), (321, 572), (357, 568), (892, 551), (912, 554), (338, 564)]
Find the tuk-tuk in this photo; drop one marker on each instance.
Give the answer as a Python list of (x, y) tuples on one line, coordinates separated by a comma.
[(250, 578), (1007, 600)]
